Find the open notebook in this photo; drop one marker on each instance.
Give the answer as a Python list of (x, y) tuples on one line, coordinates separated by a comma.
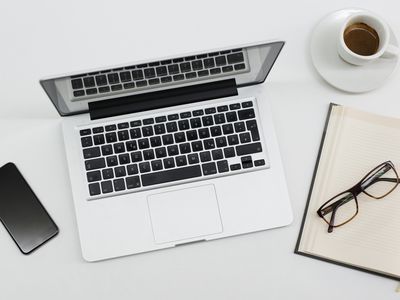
[(354, 142)]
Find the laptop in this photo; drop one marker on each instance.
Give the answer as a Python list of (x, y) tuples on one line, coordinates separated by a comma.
[(172, 151)]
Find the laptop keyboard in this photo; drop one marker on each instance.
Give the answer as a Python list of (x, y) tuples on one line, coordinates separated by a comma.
[(150, 75), (195, 144)]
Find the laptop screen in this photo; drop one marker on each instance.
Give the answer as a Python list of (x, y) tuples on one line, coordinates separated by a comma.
[(246, 64)]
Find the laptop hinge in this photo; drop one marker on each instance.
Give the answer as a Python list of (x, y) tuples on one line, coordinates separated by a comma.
[(170, 97)]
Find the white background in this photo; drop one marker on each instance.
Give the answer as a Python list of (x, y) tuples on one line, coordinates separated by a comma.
[(41, 38)]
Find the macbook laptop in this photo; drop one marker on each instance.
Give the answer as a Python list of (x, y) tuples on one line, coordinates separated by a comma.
[(172, 151)]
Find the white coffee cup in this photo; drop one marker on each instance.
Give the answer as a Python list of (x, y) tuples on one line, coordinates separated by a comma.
[(385, 49)]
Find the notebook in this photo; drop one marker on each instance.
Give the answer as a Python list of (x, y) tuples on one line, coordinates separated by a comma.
[(353, 143)]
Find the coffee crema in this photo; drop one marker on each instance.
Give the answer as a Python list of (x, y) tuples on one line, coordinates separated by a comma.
[(362, 39)]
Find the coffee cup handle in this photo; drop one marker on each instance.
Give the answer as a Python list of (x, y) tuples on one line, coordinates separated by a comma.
[(391, 52)]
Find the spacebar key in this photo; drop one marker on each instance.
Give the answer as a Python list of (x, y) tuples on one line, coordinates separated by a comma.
[(171, 175), (248, 149)]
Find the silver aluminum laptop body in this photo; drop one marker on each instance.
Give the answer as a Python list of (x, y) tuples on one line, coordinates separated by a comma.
[(129, 196)]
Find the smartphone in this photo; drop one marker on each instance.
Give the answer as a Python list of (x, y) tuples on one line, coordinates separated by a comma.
[(21, 212)]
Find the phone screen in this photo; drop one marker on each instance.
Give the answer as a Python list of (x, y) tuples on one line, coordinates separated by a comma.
[(21, 212)]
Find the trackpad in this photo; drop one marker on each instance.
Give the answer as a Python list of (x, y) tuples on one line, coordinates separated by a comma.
[(184, 214)]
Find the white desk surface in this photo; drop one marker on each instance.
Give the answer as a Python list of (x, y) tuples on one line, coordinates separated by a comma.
[(41, 38)]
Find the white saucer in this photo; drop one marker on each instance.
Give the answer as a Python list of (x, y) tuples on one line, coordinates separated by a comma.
[(342, 75)]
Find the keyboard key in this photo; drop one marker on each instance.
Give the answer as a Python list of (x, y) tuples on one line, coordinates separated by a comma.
[(244, 137), (161, 152), (204, 133), (247, 162), (234, 106), (169, 163), (198, 112), (209, 63), (167, 139), (137, 74), (113, 78), (136, 123), (124, 159), (181, 161), (209, 168), (193, 158), (202, 73), (161, 119), (227, 69), (248, 149), (132, 182), (235, 167), (221, 142), (154, 64), (173, 150), (246, 114), (207, 121), (220, 61), (98, 130), (147, 131), (229, 152), (222, 166), (129, 85), (101, 80), (185, 67), (188, 58), (235, 58), (201, 56), (79, 93), (143, 143), (123, 125), (247, 104), (89, 82), (116, 87), (106, 150), (178, 77), (240, 67), (233, 139), (239, 127), (173, 117), (227, 128), (111, 137), (209, 144), (219, 118), (259, 162), (190, 75), (154, 81), (110, 127), (197, 65), (119, 184), (252, 127), (84, 132), (94, 164), (171, 175), (166, 62), (173, 69), (91, 152), (77, 83), (183, 124), (86, 141), (120, 171), (215, 130), (161, 71), (131, 146), (141, 83), (191, 135), (94, 189), (92, 91), (112, 161), (106, 187), (215, 71), (132, 169), (180, 137), (195, 123), (123, 135), (125, 76), (135, 133), (157, 165), (108, 173), (159, 129), (148, 154), (186, 114), (136, 156), (166, 79), (217, 154), (210, 110), (184, 148), (222, 108), (155, 141), (172, 127), (205, 156), (231, 116), (177, 60), (93, 176)]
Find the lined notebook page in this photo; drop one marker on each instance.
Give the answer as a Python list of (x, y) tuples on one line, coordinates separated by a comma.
[(355, 143)]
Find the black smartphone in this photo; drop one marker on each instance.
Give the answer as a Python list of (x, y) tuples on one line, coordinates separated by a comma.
[(21, 212)]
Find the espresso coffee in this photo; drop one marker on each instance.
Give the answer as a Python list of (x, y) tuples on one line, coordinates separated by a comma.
[(361, 39)]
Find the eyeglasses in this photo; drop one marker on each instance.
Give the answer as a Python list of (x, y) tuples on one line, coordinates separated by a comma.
[(343, 207)]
